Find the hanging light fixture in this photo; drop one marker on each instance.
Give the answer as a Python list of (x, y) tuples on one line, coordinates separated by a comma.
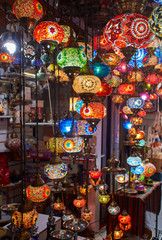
[(148, 105), (83, 189), (73, 145), (67, 216), (134, 161), (127, 125), (13, 143), (105, 90), (113, 208), (104, 198), (55, 144), (126, 89), (127, 110), (141, 113), (115, 81), (79, 202), (122, 178), (118, 233), (153, 78), (140, 134), (135, 103), (118, 99), (136, 120), (111, 58), (83, 128), (154, 21), (149, 169), (5, 60), (95, 174), (100, 69), (66, 125), (135, 76), (58, 205), (87, 215)]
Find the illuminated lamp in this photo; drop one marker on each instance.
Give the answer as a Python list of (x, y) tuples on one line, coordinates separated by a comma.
[(141, 113), (67, 216), (55, 169), (117, 99), (89, 49), (123, 67), (149, 169), (29, 12), (38, 191), (105, 90), (126, 89), (67, 124), (147, 86), (125, 227), (148, 105), (136, 121), (134, 161), (118, 234), (36, 62), (113, 208), (153, 78), (83, 189), (9, 42), (135, 103), (48, 34), (137, 58), (140, 134), (55, 144), (58, 205), (127, 110), (135, 76), (150, 61), (139, 170), (158, 1), (115, 81), (29, 218), (79, 202), (121, 178), (104, 198), (29, 51), (5, 60), (13, 143), (72, 103), (87, 215), (100, 69), (127, 30), (66, 33), (95, 174), (73, 145), (140, 188), (132, 131), (153, 97), (154, 21), (99, 42), (58, 73), (93, 113), (83, 128), (112, 59), (141, 143), (102, 187), (79, 104), (127, 125), (124, 116)]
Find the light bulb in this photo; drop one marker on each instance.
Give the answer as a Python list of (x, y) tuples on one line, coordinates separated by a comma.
[(11, 46)]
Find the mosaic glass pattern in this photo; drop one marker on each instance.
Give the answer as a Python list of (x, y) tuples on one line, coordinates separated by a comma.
[(125, 227), (149, 170), (105, 90), (66, 217), (128, 29), (134, 161), (55, 144), (58, 206), (55, 171), (103, 198), (113, 210), (29, 218), (79, 203), (6, 58), (86, 84), (66, 125), (120, 178), (48, 30), (94, 110), (87, 216), (117, 99), (139, 169), (127, 125), (73, 145), (82, 127), (136, 121), (100, 69), (154, 21), (111, 59), (38, 194), (135, 102), (132, 131), (140, 134), (31, 9), (115, 81), (83, 190), (79, 104), (71, 57), (125, 89), (95, 174), (153, 78), (135, 76), (127, 110), (89, 49), (66, 33), (138, 57), (141, 113)]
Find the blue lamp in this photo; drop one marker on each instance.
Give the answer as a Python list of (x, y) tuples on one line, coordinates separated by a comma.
[(66, 125), (127, 125), (100, 69)]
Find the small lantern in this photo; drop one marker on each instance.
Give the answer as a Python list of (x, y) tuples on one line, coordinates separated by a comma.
[(87, 215), (13, 143), (94, 110), (136, 121), (73, 145), (135, 103), (100, 69), (141, 113), (95, 182), (89, 49), (104, 198), (124, 217), (55, 144), (139, 170), (127, 110), (155, 21), (58, 205), (135, 76), (83, 189), (105, 90), (95, 173), (153, 97), (149, 169), (79, 202), (121, 178), (83, 128), (126, 89), (140, 134), (117, 99), (153, 78), (67, 216), (132, 132), (148, 105), (115, 81), (134, 161), (127, 125), (112, 59), (113, 208), (125, 227)]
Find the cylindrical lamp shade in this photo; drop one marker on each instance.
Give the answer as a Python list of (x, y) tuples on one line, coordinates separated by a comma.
[(55, 171), (73, 145), (136, 121), (87, 215), (38, 194), (105, 90), (125, 89), (83, 128), (28, 9), (86, 84), (94, 110), (55, 144), (48, 31), (134, 161), (135, 76), (155, 21), (153, 78), (29, 218), (135, 102), (115, 81), (149, 170), (71, 57), (127, 30)]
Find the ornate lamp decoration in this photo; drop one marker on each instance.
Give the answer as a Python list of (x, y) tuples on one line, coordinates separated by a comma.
[(57, 73), (111, 58), (154, 21), (105, 90), (73, 145), (123, 67), (38, 191), (126, 89), (118, 233), (124, 217), (135, 76), (125, 227), (118, 99), (136, 121), (5, 60), (87, 215), (55, 144), (83, 128), (104, 198), (153, 97), (149, 169), (13, 143), (30, 215), (134, 161), (67, 216), (79, 202), (58, 205), (140, 134), (89, 49), (127, 110), (135, 103), (95, 174), (141, 113), (113, 208), (153, 78), (132, 132), (127, 125), (115, 81), (83, 189), (121, 178), (67, 124)]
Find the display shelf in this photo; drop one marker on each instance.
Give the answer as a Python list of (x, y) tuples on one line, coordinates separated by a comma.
[(33, 124), (1, 117)]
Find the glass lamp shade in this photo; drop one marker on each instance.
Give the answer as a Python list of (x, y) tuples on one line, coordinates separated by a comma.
[(153, 96), (83, 189), (79, 104), (94, 110), (115, 81), (13, 143), (135, 103), (124, 116), (121, 178), (140, 135), (55, 144), (112, 59), (79, 202), (134, 161), (127, 125), (95, 173), (6, 58), (149, 170), (36, 62), (66, 29), (48, 31), (71, 57), (86, 84), (66, 217), (141, 143), (125, 227), (103, 198), (127, 30), (126, 89), (83, 128), (117, 99), (58, 205), (73, 145), (153, 78), (66, 125), (28, 9), (55, 171), (102, 186), (132, 131), (135, 76), (137, 58), (118, 234), (148, 105), (100, 69), (99, 42), (154, 22), (30, 215), (113, 209), (139, 170), (39, 191), (141, 113), (127, 110), (87, 215), (123, 67), (105, 90), (89, 49), (124, 217), (136, 121)]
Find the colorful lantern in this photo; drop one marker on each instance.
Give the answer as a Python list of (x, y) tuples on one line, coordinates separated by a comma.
[(141, 143), (83, 189), (38, 191), (94, 110), (121, 178), (100, 69), (79, 104), (58, 205), (89, 49), (154, 21), (67, 216), (135, 103), (128, 29), (132, 131), (79, 202), (141, 113), (127, 125), (102, 187), (127, 110), (136, 121), (95, 173), (123, 67), (124, 217), (125, 227), (87, 215), (30, 215), (153, 78), (149, 169), (105, 90), (73, 145), (112, 59), (153, 96), (104, 198), (113, 209), (55, 144), (148, 105), (6, 58), (13, 143), (134, 161), (66, 125), (100, 42), (118, 234), (117, 99), (115, 81), (135, 76), (83, 128), (137, 58), (139, 170), (126, 89), (140, 134)]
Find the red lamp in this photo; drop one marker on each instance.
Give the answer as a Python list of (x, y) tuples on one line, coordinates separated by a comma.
[(141, 113), (136, 121), (79, 202), (5, 60), (95, 173), (125, 227), (153, 96), (124, 217), (140, 134), (125, 89), (105, 90), (148, 105), (153, 78)]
